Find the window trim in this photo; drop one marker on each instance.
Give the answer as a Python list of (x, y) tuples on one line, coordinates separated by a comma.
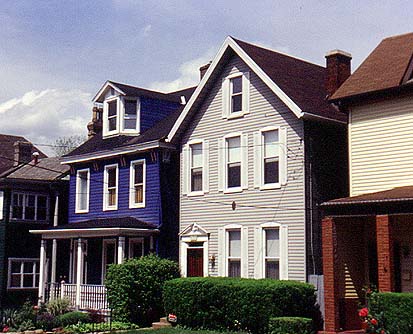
[(105, 120), (135, 241), (123, 113), (244, 249), (24, 193), (1, 204), (106, 242), (276, 185), (106, 207), (227, 95), (189, 176), (22, 261), (227, 189), (132, 204), (77, 197)]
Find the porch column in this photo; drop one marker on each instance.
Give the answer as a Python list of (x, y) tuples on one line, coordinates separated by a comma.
[(42, 271), (121, 249), (79, 270), (330, 272), (385, 260)]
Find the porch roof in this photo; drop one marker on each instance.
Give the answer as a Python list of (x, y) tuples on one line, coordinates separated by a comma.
[(120, 226), (399, 194)]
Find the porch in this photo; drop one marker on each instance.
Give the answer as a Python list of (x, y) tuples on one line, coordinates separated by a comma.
[(367, 241), (74, 259)]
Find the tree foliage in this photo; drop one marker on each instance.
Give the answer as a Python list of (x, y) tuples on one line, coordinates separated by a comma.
[(64, 145)]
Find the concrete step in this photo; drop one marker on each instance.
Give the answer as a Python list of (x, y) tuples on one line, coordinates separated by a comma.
[(164, 320), (158, 325)]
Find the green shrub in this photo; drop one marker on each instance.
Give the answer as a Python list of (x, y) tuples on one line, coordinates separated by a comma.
[(135, 288), (72, 318), (290, 325), (396, 310), (236, 303), (102, 327), (58, 306)]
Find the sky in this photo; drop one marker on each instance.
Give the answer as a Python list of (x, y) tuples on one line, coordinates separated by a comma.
[(55, 55)]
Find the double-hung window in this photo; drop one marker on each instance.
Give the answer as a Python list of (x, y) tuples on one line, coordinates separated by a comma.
[(137, 184), (31, 207), (196, 167), (130, 114), (272, 253), (82, 190), (112, 115), (233, 162), (271, 157), (235, 95), (234, 253), (23, 273), (111, 187)]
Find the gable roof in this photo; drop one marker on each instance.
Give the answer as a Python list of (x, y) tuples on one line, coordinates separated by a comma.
[(387, 67), (47, 169), (298, 83), (7, 151)]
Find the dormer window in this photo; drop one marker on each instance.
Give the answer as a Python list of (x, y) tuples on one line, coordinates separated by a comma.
[(130, 115), (120, 115), (112, 115)]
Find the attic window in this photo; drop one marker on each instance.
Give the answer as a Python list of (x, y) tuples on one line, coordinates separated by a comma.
[(129, 119), (120, 116), (112, 115)]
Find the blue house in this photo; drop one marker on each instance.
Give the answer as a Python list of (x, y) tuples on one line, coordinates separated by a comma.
[(124, 192)]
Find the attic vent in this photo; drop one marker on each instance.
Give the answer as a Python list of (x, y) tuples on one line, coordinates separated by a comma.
[(183, 100)]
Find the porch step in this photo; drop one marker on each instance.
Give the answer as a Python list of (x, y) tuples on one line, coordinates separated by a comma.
[(163, 323)]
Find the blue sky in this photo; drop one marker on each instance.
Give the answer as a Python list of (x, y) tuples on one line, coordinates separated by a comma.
[(55, 55)]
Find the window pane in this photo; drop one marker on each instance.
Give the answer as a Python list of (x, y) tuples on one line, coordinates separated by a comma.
[(17, 210), (28, 281), (234, 149), (28, 267), (272, 239), (139, 194), (138, 173), (15, 281), (111, 177), (236, 84), (272, 269), (196, 179), (196, 152), (30, 207), (234, 175), (236, 103), (271, 170), (136, 249), (41, 201), (234, 268), (112, 197), (271, 143), (83, 190), (130, 114), (234, 243), (15, 267), (112, 123), (112, 108)]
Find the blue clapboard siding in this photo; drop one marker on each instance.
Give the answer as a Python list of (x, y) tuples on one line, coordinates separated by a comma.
[(153, 110), (150, 213)]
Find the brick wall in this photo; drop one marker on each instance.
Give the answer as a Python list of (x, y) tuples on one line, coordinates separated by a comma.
[(385, 253)]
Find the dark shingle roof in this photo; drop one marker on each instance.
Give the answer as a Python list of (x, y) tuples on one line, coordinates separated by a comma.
[(302, 81), (383, 69), (47, 169), (7, 151), (125, 222)]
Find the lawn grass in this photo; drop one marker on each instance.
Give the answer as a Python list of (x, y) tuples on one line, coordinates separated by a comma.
[(174, 331)]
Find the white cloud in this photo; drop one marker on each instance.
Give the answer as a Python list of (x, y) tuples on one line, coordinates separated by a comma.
[(43, 116), (188, 74)]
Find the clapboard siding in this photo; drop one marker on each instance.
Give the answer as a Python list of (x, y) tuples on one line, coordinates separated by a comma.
[(153, 110), (380, 142), (150, 213), (286, 205)]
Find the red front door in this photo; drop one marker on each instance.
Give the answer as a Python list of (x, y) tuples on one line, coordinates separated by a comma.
[(195, 262)]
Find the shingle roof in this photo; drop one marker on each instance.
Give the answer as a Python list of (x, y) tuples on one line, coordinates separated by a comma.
[(385, 68), (7, 150), (47, 169), (125, 222), (302, 81)]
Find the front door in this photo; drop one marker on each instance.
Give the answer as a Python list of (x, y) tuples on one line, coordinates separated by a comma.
[(108, 256), (195, 262)]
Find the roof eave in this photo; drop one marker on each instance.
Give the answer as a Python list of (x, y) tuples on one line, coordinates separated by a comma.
[(108, 83)]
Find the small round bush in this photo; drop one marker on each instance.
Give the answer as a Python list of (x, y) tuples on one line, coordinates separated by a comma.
[(72, 318)]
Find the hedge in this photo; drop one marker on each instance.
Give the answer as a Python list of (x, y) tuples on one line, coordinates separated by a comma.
[(236, 303), (290, 325), (135, 288), (397, 311)]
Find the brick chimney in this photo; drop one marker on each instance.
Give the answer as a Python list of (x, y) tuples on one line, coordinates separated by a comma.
[(203, 69), (338, 69), (22, 152), (95, 125)]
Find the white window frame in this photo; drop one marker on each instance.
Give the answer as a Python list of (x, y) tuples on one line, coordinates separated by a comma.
[(1, 204), (259, 248), (123, 113), (244, 162), (106, 242), (106, 131), (120, 116), (106, 206), (35, 261), (227, 95), (132, 204), (78, 180), (135, 241), (187, 167), (24, 206)]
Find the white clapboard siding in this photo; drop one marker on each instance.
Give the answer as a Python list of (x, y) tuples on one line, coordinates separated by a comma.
[(381, 145), (213, 210)]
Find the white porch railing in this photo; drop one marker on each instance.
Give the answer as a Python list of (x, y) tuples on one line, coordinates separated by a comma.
[(89, 297)]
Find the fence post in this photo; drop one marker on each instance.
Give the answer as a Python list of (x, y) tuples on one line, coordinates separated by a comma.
[(62, 289)]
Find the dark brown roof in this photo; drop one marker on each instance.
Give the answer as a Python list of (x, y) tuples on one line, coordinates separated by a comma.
[(302, 81), (47, 169), (125, 222), (385, 68), (392, 195), (7, 151)]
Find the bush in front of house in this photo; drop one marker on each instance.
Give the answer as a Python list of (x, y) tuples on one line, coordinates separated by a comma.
[(290, 325), (81, 328), (396, 310), (135, 288), (220, 303), (72, 318)]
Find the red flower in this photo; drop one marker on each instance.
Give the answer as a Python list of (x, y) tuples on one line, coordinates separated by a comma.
[(363, 312), (382, 331), (373, 322), (5, 329)]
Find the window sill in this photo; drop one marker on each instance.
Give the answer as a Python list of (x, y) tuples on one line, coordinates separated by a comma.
[(137, 206), (110, 208), (236, 115), (233, 190), (270, 186), (82, 211), (195, 193)]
